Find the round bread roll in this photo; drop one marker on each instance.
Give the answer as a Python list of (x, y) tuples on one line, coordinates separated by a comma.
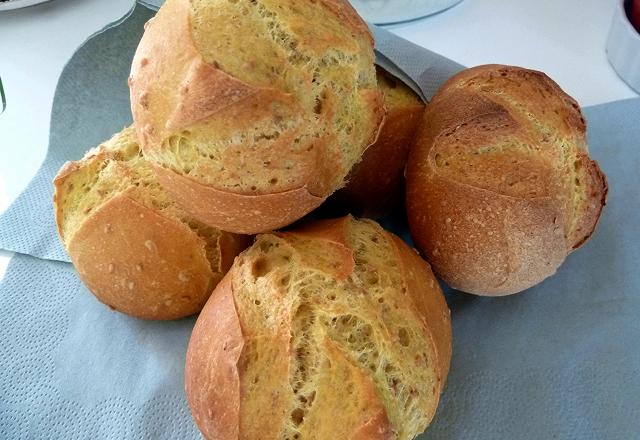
[(253, 111), (500, 186), (334, 331), (375, 186), (133, 247)]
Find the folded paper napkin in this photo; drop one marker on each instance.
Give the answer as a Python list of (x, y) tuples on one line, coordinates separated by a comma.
[(559, 361)]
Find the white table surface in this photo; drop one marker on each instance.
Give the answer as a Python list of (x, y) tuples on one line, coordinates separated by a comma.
[(565, 39)]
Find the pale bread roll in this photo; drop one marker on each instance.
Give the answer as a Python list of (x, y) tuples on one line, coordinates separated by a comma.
[(133, 247), (334, 331), (254, 111)]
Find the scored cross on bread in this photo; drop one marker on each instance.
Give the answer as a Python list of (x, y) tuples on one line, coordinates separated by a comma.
[(252, 112), (500, 185)]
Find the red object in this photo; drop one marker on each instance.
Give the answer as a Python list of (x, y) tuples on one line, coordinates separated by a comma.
[(635, 14)]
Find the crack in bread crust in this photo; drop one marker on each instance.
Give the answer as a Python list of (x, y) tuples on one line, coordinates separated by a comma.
[(500, 186), (120, 228), (323, 75), (368, 316), (242, 101)]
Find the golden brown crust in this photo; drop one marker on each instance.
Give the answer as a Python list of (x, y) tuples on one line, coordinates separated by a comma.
[(431, 305), (369, 421), (177, 94), (211, 374), (230, 245), (237, 213), (140, 263), (485, 243), (306, 354), (375, 184), (204, 91), (135, 249), (264, 413), (499, 184), (424, 293), (347, 13), (334, 232), (149, 66), (375, 102), (591, 211)]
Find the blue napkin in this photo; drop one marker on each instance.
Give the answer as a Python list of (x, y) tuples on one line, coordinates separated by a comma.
[(561, 360)]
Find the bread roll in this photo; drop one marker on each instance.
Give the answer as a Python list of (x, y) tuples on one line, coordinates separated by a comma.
[(334, 331), (500, 186), (135, 249), (254, 111), (376, 185)]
